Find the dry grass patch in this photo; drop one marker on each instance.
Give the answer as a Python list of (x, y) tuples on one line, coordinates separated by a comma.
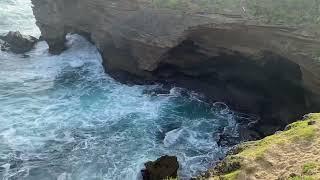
[(293, 154)]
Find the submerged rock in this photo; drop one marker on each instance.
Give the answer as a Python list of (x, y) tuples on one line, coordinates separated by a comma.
[(16, 42), (162, 168)]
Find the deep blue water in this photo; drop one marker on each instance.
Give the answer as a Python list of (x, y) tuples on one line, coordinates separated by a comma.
[(63, 118)]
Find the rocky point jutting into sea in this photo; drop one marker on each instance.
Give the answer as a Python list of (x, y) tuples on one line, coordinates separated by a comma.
[(269, 70)]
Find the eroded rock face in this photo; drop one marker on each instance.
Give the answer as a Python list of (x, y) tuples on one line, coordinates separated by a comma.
[(162, 168), (271, 71), (17, 43)]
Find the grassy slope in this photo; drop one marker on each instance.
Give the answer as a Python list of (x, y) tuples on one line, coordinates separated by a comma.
[(293, 154)]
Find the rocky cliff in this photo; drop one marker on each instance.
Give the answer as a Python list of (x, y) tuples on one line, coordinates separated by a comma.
[(269, 70)]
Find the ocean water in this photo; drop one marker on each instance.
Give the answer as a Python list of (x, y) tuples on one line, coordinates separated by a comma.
[(63, 118), (17, 15)]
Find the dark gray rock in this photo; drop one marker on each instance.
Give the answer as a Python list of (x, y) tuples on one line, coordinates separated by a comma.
[(310, 123), (17, 43), (162, 168)]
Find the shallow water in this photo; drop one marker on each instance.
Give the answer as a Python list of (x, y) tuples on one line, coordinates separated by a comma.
[(63, 118)]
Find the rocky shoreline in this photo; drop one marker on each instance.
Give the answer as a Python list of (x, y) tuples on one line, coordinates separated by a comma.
[(270, 71), (165, 166)]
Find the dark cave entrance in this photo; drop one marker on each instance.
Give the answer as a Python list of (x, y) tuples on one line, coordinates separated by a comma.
[(269, 85)]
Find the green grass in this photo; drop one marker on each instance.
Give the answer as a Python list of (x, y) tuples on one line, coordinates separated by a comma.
[(299, 131), (309, 168)]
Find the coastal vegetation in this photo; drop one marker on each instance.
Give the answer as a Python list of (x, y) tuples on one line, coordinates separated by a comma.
[(292, 154)]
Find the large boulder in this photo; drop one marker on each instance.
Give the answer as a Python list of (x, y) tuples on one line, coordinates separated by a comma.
[(162, 168), (16, 42)]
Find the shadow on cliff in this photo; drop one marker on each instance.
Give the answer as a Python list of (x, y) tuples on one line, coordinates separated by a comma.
[(271, 86)]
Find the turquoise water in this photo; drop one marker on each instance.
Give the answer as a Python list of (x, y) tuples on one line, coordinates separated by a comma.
[(63, 118)]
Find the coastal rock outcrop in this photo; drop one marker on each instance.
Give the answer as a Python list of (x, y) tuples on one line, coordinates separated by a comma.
[(269, 70), (163, 168), (17, 43)]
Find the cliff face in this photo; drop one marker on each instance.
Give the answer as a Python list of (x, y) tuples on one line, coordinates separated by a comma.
[(272, 71)]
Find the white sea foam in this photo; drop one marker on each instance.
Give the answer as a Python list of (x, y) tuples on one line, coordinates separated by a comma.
[(63, 111), (63, 118), (16, 15), (172, 137)]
